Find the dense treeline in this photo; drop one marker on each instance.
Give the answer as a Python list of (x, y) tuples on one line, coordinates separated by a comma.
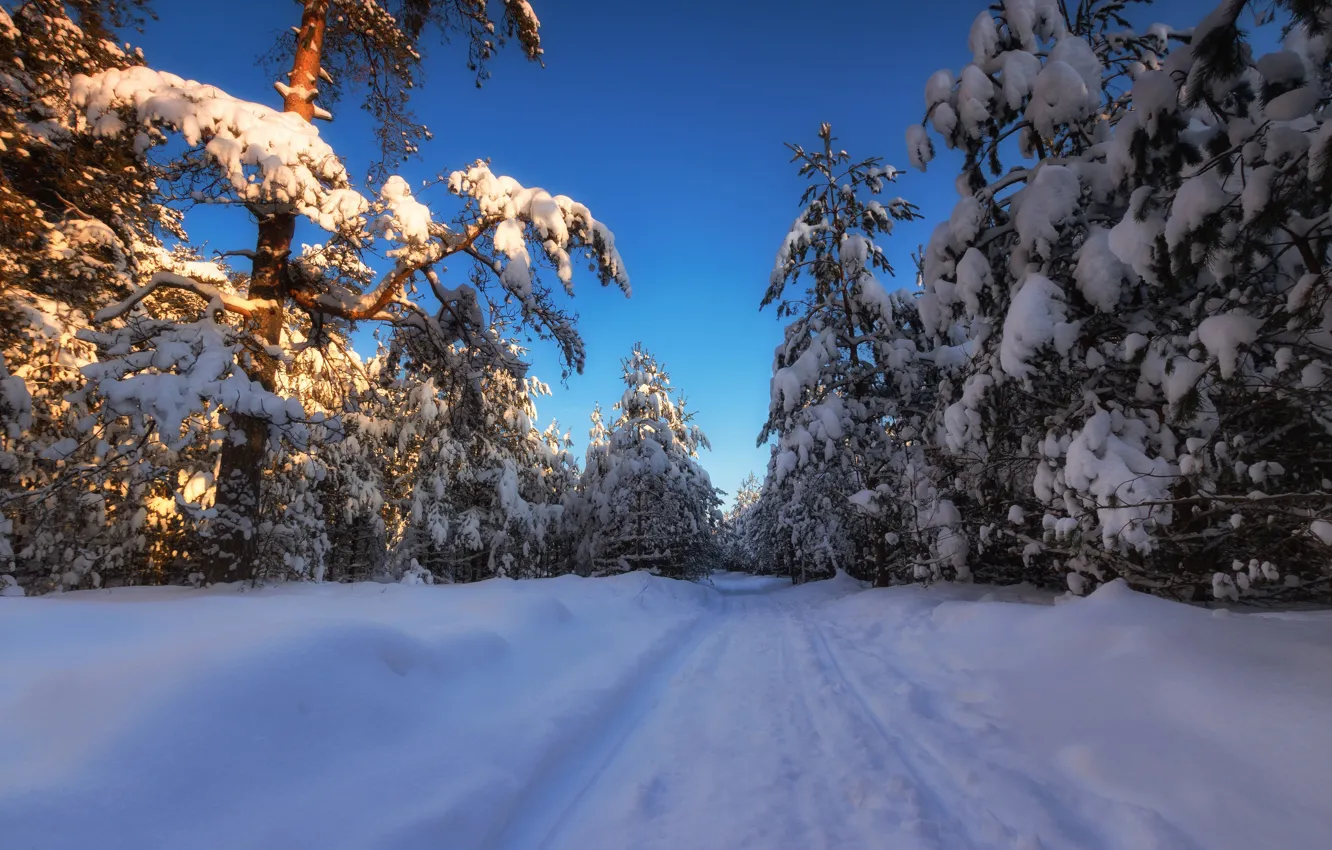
[(169, 419), (1114, 363)]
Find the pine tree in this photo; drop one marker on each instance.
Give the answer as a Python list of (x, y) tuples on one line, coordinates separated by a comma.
[(340, 37), (486, 486), (1133, 301), (235, 354), (833, 394), (745, 497), (1022, 269), (737, 548), (80, 221), (645, 502)]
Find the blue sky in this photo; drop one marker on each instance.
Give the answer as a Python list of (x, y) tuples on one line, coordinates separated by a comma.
[(667, 120)]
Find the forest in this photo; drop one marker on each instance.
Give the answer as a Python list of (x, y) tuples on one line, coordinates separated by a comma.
[(1108, 362), (1034, 551)]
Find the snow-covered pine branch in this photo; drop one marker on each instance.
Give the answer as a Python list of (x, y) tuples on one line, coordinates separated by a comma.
[(271, 160), (218, 298)]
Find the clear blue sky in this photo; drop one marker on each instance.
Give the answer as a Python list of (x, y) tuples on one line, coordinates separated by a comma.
[(667, 120)]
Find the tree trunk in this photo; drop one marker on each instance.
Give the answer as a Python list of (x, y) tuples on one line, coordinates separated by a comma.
[(245, 455), (882, 577)]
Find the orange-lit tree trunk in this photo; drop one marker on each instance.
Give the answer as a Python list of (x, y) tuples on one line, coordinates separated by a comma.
[(245, 456)]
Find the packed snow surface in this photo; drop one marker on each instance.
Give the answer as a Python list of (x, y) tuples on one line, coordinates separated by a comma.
[(636, 712)]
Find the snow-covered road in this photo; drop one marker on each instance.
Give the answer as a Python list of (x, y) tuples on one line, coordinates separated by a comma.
[(640, 713), (760, 731), (750, 735)]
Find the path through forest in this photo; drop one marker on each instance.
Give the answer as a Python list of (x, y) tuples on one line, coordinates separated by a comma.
[(638, 712), (761, 731)]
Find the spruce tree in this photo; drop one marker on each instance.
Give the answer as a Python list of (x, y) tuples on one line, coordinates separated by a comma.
[(834, 394), (645, 501)]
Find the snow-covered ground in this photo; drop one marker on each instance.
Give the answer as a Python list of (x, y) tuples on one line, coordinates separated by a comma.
[(643, 713)]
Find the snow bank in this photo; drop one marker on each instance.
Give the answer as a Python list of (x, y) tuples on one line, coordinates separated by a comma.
[(1118, 720), (310, 716)]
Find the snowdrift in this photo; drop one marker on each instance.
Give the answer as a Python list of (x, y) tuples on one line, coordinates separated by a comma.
[(308, 716), (1177, 726)]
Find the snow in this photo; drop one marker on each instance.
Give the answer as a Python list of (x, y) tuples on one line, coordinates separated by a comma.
[(863, 499), (1258, 191), (973, 276), (1099, 273), (1294, 104), (1042, 207), (1033, 19), (984, 37), (1132, 239), (1180, 379), (939, 88), (944, 119), (1107, 460), (1077, 54), (1322, 529), (1223, 335), (920, 150), (789, 382), (293, 165), (1283, 66), (966, 218), (974, 93), (642, 712), (1197, 198), (558, 222), (1019, 72), (1059, 95), (1077, 585), (1133, 343), (1320, 141), (1311, 375), (406, 219), (1032, 320)]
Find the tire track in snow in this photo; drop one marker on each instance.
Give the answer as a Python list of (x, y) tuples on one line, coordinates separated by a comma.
[(923, 752), (1059, 807), (836, 720), (565, 776), (935, 806), (821, 774)]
